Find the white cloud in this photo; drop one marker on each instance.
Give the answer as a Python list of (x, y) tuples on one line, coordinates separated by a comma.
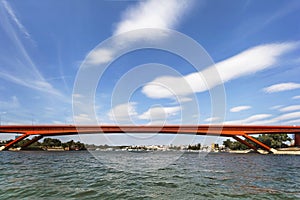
[(293, 122), (184, 99), (288, 116), (248, 62), (281, 87), (152, 14), (239, 108), (276, 107), (123, 112), (126, 113), (253, 60), (282, 119), (290, 108), (250, 119), (145, 14), (296, 97), (264, 122), (212, 119), (167, 87), (159, 113), (77, 96), (99, 56), (83, 119)]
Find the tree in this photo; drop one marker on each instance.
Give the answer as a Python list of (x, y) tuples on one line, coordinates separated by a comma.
[(234, 145), (49, 142), (194, 147), (274, 140), (74, 145), (228, 143), (271, 140), (23, 142)]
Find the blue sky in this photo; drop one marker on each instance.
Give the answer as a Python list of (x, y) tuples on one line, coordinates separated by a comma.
[(254, 45)]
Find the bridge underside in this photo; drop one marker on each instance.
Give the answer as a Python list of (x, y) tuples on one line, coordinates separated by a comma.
[(235, 132)]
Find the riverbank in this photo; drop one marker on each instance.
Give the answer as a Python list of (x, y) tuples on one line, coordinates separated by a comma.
[(281, 151)]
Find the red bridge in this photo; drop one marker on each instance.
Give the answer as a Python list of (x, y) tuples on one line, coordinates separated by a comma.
[(235, 131)]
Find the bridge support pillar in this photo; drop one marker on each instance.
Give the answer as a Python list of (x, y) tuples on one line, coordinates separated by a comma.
[(245, 143), (262, 145), (33, 140), (297, 139), (18, 139)]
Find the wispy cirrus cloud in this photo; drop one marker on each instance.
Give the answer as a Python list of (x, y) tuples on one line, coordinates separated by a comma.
[(83, 118), (280, 87), (239, 108), (12, 15), (282, 119), (290, 108), (276, 107), (248, 62), (39, 85), (293, 122), (262, 21), (249, 120), (296, 97), (12, 103), (16, 64)]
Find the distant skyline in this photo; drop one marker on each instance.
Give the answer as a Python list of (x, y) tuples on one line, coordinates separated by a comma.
[(255, 46)]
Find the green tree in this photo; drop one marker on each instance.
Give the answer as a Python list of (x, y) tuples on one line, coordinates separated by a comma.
[(74, 145), (234, 145), (50, 142), (228, 143), (274, 140), (194, 147)]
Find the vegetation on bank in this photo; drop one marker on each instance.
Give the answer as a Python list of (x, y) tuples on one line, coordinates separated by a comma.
[(194, 147), (272, 140), (49, 143)]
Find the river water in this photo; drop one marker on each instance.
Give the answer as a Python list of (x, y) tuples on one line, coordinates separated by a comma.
[(127, 175)]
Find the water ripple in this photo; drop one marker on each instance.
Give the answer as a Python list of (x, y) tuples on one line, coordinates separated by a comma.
[(78, 175)]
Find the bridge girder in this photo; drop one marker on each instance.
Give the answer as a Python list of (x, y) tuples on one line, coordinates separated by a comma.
[(214, 130)]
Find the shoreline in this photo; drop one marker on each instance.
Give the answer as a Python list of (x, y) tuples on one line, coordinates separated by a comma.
[(280, 151)]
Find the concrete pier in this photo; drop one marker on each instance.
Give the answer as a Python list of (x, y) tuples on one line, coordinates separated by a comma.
[(297, 139)]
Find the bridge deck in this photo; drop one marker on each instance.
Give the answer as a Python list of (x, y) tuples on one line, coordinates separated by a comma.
[(215, 130)]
